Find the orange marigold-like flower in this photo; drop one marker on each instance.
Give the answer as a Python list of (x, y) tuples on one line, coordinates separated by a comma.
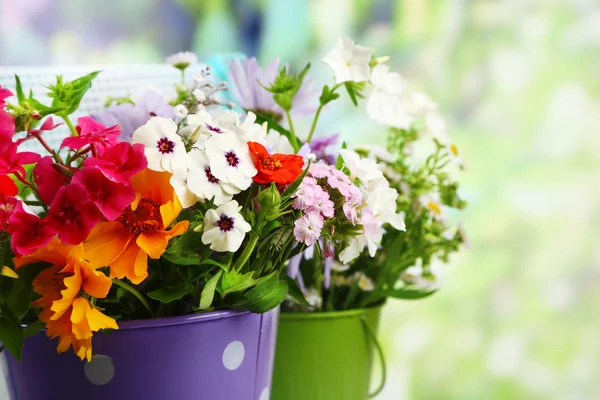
[(141, 231), (279, 168), (65, 289)]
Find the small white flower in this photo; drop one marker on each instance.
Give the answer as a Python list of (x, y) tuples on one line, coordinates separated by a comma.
[(202, 125), (180, 182), (199, 95), (382, 202), (273, 141), (338, 267), (416, 276), (165, 150), (386, 103), (421, 104), (313, 298), (203, 183), (349, 61), (455, 154), (182, 60), (435, 125), (180, 111), (364, 169), (355, 246), (225, 228), (364, 282), (433, 204), (230, 159)]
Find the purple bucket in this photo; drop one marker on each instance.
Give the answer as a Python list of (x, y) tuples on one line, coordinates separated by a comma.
[(222, 355)]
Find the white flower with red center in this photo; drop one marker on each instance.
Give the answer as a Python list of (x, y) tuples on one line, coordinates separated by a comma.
[(164, 148), (225, 228), (230, 159), (349, 61), (203, 183)]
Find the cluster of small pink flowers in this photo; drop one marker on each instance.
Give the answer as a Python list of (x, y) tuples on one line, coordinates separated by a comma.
[(314, 198)]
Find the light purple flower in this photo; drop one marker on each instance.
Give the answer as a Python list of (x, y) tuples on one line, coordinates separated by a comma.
[(245, 74), (132, 116), (320, 146)]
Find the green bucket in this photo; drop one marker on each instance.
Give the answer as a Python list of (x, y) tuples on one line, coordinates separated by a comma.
[(326, 356)]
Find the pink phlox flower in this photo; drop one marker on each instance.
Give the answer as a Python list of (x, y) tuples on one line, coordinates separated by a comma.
[(110, 197), (48, 179), (73, 214), (307, 229), (28, 232), (120, 162), (92, 132), (7, 122), (11, 160), (8, 206), (47, 125)]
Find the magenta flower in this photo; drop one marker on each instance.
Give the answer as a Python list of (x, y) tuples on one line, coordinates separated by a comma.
[(48, 179), (7, 122), (246, 75), (48, 125), (73, 214), (8, 205), (12, 161), (121, 162), (110, 197), (28, 232), (92, 132)]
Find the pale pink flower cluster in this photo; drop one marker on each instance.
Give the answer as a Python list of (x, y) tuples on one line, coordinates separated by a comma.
[(315, 200)]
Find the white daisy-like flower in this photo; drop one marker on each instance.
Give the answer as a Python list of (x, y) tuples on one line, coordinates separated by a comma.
[(225, 228), (180, 111), (455, 155), (203, 183), (433, 204), (386, 103), (182, 60), (364, 169), (349, 61), (164, 150), (230, 159), (364, 282)]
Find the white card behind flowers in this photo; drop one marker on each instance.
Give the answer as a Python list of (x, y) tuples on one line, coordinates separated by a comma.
[(113, 81)]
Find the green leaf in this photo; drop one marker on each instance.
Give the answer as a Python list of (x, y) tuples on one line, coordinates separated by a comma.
[(340, 161), (168, 294), (208, 293), (68, 96), (233, 281), (351, 92), (33, 328), (209, 261), (295, 292), (408, 293), (265, 296), (183, 251), (294, 186), (19, 300), (11, 334), (19, 89), (327, 96)]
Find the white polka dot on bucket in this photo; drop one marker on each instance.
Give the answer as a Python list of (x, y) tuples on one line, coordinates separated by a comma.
[(100, 370), (233, 355), (264, 395)]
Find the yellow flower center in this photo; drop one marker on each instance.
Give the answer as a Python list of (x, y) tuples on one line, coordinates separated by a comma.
[(145, 218), (435, 207), (454, 150), (271, 163)]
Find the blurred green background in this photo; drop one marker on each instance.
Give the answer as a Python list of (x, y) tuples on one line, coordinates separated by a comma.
[(519, 81)]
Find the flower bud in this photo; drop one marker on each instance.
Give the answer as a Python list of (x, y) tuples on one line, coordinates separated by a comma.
[(269, 201)]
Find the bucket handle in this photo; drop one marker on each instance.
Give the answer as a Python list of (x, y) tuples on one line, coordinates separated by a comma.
[(371, 336)]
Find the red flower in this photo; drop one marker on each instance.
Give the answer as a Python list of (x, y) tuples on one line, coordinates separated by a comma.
[(279, 168), (4, 94), (48, 179), (10, 160), (7, 187), (27, 231), (121, 162), (73, 214), (8, 205), (92, 132), (110, 197), (7, 122)]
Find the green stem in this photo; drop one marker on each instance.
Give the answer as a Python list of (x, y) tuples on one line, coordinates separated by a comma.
[(137, 294), (70, 125), (295, 143), (246, 254), (314, 124)]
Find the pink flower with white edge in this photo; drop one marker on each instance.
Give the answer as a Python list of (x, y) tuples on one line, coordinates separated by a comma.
[(225, 228), (121, 162), (164, 148), (307, 229), (230, 160), (110, 197), (92, 133), (204, 184)]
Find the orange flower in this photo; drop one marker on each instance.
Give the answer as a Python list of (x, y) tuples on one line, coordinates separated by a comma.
[(65, 288), (141, 231), (279, 168)]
